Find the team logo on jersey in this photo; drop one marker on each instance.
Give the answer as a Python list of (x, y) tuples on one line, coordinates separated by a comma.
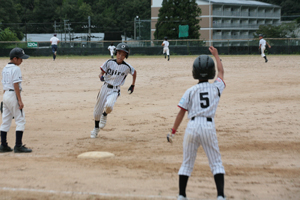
[(115, 72)]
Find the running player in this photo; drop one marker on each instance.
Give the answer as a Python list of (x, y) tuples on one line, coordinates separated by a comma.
[(111, 48), (262, 46), (54, 42), (113, 74), (12, 101), (166, 51), (201, 102)]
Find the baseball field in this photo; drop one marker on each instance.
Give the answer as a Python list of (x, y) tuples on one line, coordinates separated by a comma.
[(257, 121)]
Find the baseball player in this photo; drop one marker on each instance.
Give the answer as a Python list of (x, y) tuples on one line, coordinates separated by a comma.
[(12, 101), (113, 74), (262, 46), (111, 48), (201, 101), (54, 42), (166, 51)]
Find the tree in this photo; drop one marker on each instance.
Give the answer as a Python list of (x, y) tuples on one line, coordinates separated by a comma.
[(178, 12), (8, 35), (285, 30)]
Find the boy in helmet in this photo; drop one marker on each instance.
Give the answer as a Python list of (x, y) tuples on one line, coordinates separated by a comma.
[(166, 51), (113, 74), (201, 102), (12, 101)]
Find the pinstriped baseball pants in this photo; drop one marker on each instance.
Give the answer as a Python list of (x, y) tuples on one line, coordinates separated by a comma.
[(201, 132), (107, 97)]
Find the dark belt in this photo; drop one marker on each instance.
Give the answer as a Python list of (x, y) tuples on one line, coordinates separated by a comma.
[(11, 90), (209, 119), (110, 86)]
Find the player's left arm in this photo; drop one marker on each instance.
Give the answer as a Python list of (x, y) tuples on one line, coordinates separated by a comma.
[(101, 75), (131, 88), (17, 91), (268, 44), (163, 44)]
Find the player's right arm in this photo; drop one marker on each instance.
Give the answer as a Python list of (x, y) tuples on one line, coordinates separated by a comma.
[(220, 68)]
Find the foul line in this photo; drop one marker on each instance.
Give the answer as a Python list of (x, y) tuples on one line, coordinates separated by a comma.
[(84, 193)]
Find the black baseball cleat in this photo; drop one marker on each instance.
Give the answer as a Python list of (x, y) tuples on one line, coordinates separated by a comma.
[(168, 58), (4, 149), (22, 149), (266, 60)]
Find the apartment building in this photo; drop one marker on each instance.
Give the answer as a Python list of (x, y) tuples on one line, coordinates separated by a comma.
[(228, 19)]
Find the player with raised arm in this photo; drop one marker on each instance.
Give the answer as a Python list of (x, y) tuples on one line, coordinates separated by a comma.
[(201, 102)]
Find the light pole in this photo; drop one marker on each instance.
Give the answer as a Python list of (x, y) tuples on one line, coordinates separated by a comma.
[(209, 23)]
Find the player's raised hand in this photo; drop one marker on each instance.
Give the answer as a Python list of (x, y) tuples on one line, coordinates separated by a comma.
[(213, 51)]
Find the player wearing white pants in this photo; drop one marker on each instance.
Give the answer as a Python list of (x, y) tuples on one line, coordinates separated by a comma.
[(12, 102), (201, 102), (113, 74), (262, 46), (111, 49), (166, 51)]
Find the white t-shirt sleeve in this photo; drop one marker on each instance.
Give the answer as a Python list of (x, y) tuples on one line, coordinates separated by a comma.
[(16, 75), (219, 83), (184, 101)]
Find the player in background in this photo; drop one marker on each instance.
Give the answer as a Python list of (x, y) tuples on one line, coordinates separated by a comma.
[(54, 42), (201, 102), (12, 101), (166, 51), (113, 74), (111, 48), (262, 46)]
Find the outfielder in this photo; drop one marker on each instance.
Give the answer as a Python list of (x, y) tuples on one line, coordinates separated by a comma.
[(12, 101), (201, 102), (111, 48), (166, 51), (54, 42), (113, 74), (262, 46)]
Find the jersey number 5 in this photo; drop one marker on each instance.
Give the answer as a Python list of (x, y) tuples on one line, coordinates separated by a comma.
[(204, 101)]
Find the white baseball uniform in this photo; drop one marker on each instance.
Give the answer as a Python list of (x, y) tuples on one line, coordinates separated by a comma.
[(166, 47), (11, 74), (111, 49), (201, 102), (115, 75), (262, 42), (54, 40)]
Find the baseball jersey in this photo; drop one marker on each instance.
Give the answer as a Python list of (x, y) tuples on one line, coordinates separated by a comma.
[(111, 48), (54, 40), (115, 74), (166, 44), (262, 42), (11, 74), (202, 99)]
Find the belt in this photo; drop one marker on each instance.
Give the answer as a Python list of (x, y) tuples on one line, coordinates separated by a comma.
[(209, 119), (111, 86), (11, 90)]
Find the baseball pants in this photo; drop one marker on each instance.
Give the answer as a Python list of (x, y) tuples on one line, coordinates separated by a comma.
[(10, 110), (166, 50), (106, 100), (263, 51), (201, 132), (111, 52)]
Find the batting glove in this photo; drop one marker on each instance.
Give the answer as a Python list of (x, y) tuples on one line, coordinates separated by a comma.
[(130, 90), (171, 136), (102, 78)]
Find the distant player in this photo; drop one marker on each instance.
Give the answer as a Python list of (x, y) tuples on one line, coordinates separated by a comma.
[(262, 46), (12, 102), (201, 102), (111, 48), (54, 42), (166, 51), (113, 74)]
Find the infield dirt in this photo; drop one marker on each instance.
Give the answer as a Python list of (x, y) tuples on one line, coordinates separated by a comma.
[(257, 121)]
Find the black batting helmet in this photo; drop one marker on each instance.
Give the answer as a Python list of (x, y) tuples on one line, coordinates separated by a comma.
[(122, 47), (204, 68)]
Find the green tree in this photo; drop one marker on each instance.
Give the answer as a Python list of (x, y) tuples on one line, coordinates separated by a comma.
[(8, 35), (285, 30), (178, 12)]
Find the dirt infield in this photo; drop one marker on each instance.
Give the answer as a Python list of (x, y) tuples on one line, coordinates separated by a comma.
[(257, 122)]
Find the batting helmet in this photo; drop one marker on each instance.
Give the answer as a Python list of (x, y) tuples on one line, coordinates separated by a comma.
[(204, 68), (123, 47)]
